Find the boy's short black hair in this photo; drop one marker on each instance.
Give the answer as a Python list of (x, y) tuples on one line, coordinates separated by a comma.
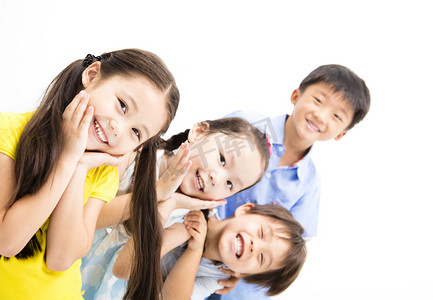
[(344, 80), (278, 280)]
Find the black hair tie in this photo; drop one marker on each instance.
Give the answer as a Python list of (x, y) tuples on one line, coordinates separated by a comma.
[(157, 142), (88, 60)]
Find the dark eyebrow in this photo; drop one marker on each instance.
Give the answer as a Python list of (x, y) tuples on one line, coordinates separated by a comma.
[(135, 107), (322, 94)]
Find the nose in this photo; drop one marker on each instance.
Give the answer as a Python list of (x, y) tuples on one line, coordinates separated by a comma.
[(254, 246), (258, 245), (115, 128), (213, 177), (319, 115)]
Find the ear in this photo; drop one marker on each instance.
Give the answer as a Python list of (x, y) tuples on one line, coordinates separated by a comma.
[(243, 209), (90, 73), (295, 96), (197, 131), (340, 135)]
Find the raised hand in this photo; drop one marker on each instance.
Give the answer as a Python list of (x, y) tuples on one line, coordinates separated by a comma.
[(197, 227), (229, 284), (186, 202), (92, 160), (177, 166), (76, 121)]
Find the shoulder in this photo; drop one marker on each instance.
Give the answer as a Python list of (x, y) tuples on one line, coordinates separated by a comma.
[(102, 183), (11, 128), (14, 121), (104, 172), (206, 282)]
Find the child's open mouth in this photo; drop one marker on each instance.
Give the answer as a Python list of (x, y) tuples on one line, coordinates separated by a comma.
[(199, 182), (312, 126), (99, 132), (239, 245)]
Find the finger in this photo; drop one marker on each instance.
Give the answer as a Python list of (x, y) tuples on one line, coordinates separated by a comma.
[(196, 217), (223, 291), (178, 156), (184, 160), (194, 225), (205, 204), (181, 170), (229, 283), (226, 284), (194, 234), (80, 110), (70, 109), (88, 116), (194, 214)]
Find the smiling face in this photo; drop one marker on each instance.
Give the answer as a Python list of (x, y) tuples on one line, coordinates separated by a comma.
[(222, 165), (127, 111), (253, 244), (320, 114)]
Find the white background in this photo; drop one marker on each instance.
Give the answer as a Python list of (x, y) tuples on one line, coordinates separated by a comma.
[(375, 227)]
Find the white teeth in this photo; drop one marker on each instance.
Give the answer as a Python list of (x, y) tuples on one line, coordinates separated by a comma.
[(313, 126), (199, 181), (99, 133), (238, 246)]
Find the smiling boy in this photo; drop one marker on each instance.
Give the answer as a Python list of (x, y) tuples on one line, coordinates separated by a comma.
[(261, 243), (327, 104)]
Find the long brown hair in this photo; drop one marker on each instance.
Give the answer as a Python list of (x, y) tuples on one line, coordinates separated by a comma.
[(40, 144), (145, 227)]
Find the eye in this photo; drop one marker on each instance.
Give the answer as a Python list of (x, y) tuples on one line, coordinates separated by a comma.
[(229, 184), (261, 258), (318, 100), (261, 232), (137, 133), (338, 117), (222, 160), (123, 106)]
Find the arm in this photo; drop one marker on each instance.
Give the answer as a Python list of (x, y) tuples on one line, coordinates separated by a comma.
[(122, 266), (26, 215), (180, 282), (72, 224), (114, 212), (173, 236)]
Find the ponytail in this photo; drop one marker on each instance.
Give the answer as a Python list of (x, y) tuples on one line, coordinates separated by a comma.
[(175, 141), (40, 144), (146, 278)]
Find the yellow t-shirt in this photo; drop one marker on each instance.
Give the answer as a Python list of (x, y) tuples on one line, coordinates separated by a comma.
[(30, 278)]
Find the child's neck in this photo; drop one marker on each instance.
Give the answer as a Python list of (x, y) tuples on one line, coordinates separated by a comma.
[(214, 230), (296, 147)]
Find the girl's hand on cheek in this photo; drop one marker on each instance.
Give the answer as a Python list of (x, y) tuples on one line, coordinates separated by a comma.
[(91, 160), (197, 227), (76, 121), (177, 166), (186, 202)]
